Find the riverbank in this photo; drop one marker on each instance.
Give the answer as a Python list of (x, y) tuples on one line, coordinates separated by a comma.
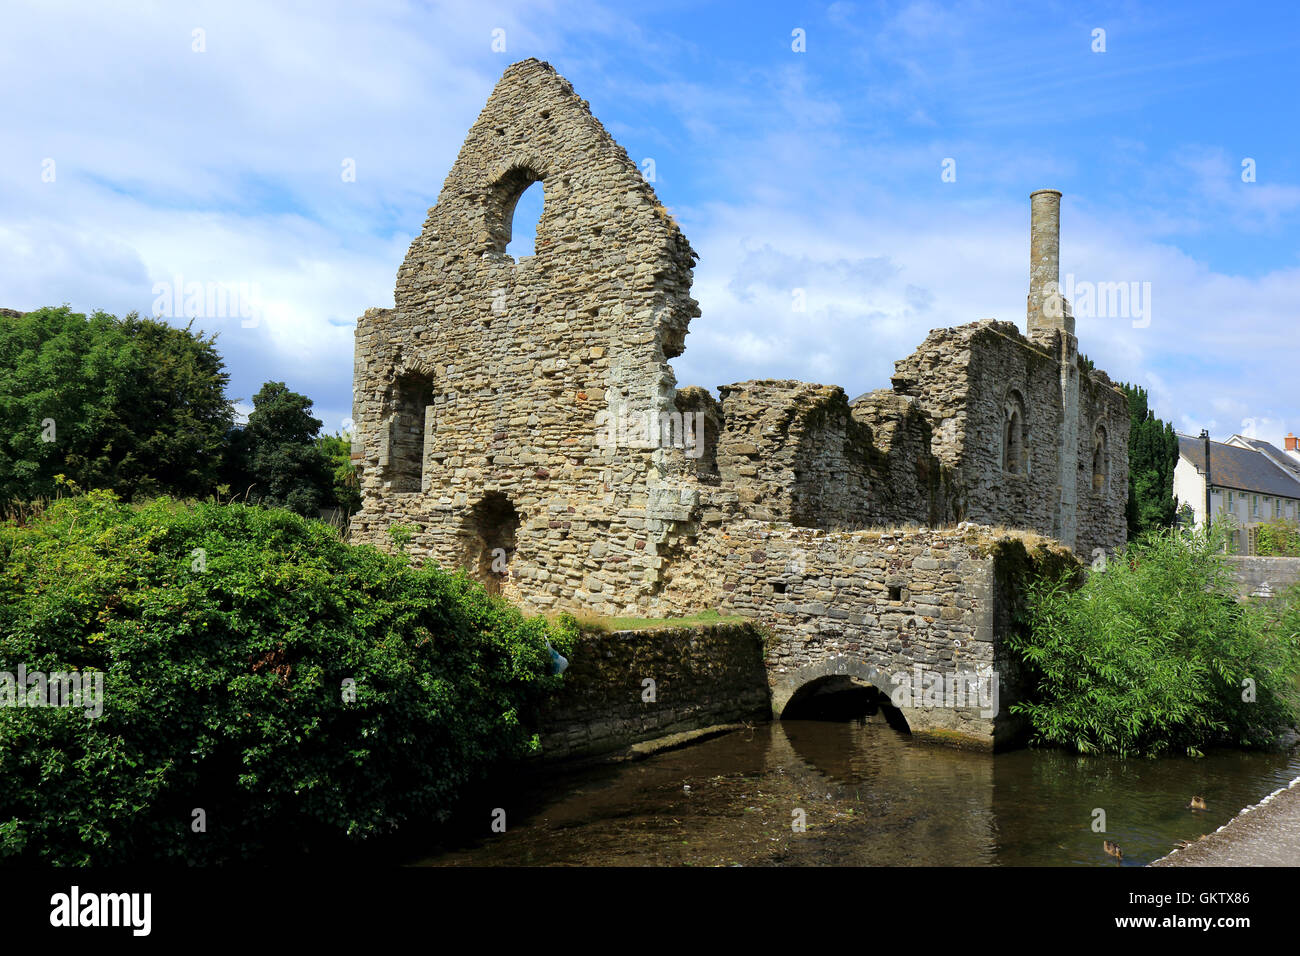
[(1266, 834)]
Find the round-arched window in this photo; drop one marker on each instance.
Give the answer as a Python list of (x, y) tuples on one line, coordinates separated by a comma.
[(1100, 460), (1015, 435), (514, 210)]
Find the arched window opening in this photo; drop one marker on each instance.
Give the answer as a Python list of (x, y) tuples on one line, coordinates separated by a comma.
[(490, 534), (523, 227), (406, 435), (1015, 436), (514, 212), (1100, 461)]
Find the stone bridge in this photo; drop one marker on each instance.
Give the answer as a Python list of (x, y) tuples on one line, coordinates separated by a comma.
[(915, 619), (918, 616)]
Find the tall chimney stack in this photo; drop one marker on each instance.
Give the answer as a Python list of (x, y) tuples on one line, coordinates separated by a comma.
[(1291, 442), (1047, 306)]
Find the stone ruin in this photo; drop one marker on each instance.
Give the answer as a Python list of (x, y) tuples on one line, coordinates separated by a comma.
[(521, 419)]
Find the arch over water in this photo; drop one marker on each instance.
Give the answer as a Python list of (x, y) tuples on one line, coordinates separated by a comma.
[(786, 686)]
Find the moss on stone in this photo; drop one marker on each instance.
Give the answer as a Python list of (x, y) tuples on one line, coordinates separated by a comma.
[(954, 738), (598, 624)]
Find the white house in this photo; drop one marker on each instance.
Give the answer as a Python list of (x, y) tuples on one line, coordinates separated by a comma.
[(1252, 484)]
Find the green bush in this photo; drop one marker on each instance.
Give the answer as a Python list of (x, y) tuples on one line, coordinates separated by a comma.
[(226, 634), (1149, 656), (1279, 537)]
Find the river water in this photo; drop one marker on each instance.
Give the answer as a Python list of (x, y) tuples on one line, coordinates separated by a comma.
[(868, 795)]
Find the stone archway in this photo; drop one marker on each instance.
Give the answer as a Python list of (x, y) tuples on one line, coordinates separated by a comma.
[(839, 698), (786, 686), (973, 722), (489, 533)]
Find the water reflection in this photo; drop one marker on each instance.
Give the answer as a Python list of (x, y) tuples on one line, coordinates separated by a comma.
[(871, 796)]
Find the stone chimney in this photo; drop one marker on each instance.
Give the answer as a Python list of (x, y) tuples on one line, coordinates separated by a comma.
[(1047, 308), (1050, 326)]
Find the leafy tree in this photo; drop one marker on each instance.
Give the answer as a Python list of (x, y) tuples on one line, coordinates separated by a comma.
[(308, 694), (1151, 654), (277, 459), (346, 489), (134, 406), (1152, 457)]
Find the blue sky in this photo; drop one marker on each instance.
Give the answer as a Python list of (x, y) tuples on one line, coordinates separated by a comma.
[(817, 170)]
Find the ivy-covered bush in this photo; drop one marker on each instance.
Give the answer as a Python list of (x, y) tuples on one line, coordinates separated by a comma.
[(298, 691), (1154, 654)]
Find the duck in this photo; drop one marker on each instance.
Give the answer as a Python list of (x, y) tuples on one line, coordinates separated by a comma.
[(1198, 803), (1113, 849)]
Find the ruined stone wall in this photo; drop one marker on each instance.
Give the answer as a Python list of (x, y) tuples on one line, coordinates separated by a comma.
[(1257, 576), (521, 420), (703, 677), (922, 488), (1102, 494), (967, 378), (792, 451), (520, 362)]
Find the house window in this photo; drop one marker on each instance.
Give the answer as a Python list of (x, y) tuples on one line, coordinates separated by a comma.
[(1254, 505), (1015, 435)]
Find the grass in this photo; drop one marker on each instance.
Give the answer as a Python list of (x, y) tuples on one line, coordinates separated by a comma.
[(604, 625)]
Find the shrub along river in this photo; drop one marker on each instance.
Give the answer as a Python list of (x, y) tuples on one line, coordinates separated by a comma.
[(870, 796)]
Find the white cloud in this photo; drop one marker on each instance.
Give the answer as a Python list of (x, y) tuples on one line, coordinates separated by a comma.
[(878, 280), (224, 166)]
